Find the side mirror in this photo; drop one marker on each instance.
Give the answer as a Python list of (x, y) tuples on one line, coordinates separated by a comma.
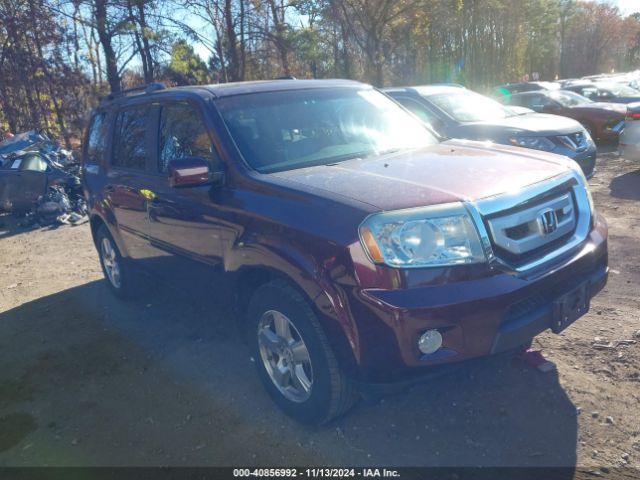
[(549, 108), (189, 172)]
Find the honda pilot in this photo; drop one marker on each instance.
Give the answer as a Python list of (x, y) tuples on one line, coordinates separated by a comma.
[(361, 247)]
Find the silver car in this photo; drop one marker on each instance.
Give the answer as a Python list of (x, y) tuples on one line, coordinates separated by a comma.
[(629, 143)]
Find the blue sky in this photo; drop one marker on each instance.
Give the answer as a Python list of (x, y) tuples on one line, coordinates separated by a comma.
[(627, 7)]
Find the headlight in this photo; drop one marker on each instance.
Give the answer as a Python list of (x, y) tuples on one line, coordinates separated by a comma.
[(537, 143), (422, 237), (585, 184)]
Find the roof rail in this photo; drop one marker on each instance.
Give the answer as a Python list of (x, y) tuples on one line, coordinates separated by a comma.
[(286, 77), (142, 89)]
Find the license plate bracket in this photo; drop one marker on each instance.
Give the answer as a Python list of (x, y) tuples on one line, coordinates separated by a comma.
[(569, 307)]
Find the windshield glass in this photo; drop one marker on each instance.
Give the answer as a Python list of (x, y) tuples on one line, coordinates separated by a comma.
[(619, 90), (466, 106), (568, 99), (278, 131)]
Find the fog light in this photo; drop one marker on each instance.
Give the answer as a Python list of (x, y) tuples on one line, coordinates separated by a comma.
[(430, 341)]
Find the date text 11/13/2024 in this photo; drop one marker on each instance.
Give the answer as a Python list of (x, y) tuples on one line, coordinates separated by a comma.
[(316, 472)]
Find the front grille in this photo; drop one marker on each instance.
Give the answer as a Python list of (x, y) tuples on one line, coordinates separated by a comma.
[(525, 233), (575, 141)]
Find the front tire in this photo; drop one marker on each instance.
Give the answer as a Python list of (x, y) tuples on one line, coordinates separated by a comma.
[(293, 357)]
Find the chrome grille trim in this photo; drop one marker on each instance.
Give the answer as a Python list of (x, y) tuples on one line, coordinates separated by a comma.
[(575, 141), (523, 198), (533, 235)]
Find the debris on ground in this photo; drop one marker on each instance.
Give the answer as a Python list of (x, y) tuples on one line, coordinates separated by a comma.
[(54, 195), (57, 207), (613, 345), (535, 359)]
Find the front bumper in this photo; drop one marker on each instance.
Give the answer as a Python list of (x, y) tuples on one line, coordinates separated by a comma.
[(476, 317)]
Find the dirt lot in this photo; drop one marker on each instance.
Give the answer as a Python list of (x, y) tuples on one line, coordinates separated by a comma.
[(88, 380)]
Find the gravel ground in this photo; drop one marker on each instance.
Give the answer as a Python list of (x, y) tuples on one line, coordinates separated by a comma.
[(88, 380)]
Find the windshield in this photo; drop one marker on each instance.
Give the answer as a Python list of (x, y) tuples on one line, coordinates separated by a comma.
[(466, 106), (619, 90), (568, 99), (278, 131)]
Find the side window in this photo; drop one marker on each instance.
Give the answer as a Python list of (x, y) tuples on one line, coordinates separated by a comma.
[(531, 101), (546, 101), (130, 144), (418, 110), (183, 134), (97, 139)]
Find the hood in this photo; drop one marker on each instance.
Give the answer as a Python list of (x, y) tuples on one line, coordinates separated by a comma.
[(618, 108), (451, 171), (529, 123)]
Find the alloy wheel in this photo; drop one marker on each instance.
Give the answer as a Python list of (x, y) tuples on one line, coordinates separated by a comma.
[(285, 356), (110, 262)]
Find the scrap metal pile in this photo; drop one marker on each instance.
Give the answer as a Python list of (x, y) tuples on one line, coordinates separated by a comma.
[(39, 181)]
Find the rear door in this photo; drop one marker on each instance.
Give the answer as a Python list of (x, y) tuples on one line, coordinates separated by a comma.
[(128, 176)]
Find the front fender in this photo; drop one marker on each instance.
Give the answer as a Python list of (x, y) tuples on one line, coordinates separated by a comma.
[(314, 277)]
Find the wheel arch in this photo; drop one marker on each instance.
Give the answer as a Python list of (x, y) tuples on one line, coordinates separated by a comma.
[(96, 220), (323, 299)]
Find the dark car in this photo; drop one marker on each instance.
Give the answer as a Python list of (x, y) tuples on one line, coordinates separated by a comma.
[(361, 248), (602, 120), (605, 92), (26, 177), (461, 113)]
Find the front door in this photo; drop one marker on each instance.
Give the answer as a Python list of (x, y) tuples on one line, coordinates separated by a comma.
[(185, 227)]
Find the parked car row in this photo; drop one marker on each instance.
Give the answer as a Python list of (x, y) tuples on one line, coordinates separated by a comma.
[(363, 246), (606, 105), (455, 112)]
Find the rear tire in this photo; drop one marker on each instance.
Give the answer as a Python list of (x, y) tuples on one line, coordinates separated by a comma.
[(293, 357), (118, 272)]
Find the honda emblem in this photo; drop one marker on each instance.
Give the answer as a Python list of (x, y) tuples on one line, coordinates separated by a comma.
[(547, 221)]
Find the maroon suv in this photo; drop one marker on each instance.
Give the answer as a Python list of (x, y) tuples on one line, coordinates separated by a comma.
[(363, 248)]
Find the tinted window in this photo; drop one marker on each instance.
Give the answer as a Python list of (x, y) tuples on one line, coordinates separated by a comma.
[(183, 134), (130, 147), (529, 101), (568, 99), (283, 130), (97, 141)]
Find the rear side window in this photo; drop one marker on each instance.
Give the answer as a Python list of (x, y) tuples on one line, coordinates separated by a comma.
[(97, 139), (130, 143), (183, 134)]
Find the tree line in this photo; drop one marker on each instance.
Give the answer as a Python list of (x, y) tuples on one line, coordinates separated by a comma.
[(57, 57)]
